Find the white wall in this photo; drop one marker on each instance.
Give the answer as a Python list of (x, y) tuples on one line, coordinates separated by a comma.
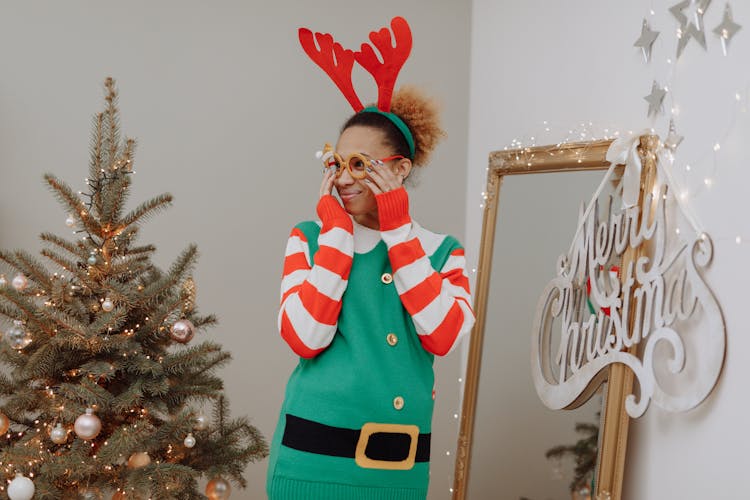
[(228, 112), (571, 63)]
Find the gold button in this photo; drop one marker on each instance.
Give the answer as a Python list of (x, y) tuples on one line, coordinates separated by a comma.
[(392, 339), (398, 402), (386, 278)]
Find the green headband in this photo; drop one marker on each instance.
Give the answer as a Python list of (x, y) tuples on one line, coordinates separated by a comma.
[(399, 123)]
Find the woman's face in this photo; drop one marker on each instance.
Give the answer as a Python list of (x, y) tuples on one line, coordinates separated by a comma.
[(357, 197)]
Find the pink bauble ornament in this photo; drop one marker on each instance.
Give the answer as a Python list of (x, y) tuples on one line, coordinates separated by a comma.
[(58, 434), (88, 425), (4, 423), (182, 331), (19, 282), (138, 460), (18, 337), (218, 489)]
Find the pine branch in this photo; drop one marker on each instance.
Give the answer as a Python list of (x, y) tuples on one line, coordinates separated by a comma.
[(150, 334), (109, 322), (96, 164), (203, 389), (11, 357), (164, 480), (28, 265), (99, 370), (111, 120), (148, 249), (21, 403), (77, 250), (128, 267), (201, 322), (221, 411), (62, 262), (44, 362), (194, 358), (114, 194), (174, 277), (156, 387), (128, 399), (147, 209), (8, 310), (26, 308), (124, 440), (88, 393), (7, 386), (141, 365), (73, 204), (63, 322), (123, 184)]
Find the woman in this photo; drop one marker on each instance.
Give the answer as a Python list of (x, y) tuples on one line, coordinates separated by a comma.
[(368, 298)]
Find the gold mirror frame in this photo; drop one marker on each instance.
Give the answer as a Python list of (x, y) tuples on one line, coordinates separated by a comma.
[(571, 157)]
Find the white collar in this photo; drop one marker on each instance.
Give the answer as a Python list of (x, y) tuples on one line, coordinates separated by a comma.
[(365, 238)]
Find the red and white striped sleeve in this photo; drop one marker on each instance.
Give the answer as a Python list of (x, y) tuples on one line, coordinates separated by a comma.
[(311, 291), (438, 300)]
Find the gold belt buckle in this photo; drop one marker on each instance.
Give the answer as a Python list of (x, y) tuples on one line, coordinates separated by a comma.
[(371, 428)]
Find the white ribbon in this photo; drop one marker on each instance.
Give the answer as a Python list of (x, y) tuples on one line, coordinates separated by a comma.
[(625, 152)]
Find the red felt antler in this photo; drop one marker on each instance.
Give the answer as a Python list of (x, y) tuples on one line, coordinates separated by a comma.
[(335, 60), (394, 57)]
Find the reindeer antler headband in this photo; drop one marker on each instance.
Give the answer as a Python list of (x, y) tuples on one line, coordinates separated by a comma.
[(338, 63)]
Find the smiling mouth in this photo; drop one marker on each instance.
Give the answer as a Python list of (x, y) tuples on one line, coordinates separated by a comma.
[(346, 196)]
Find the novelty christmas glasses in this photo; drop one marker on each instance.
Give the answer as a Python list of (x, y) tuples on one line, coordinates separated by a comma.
[(358, 164)]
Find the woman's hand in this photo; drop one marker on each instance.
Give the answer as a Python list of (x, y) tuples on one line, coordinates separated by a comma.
[(326, 186), (382, 179)]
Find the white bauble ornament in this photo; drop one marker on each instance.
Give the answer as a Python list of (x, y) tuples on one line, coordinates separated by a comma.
[(108, 305), (88, 425), (21, 488), (218, 489), (58, 434), (3, 280), (90, 494), (17, 336), (200, 422), (70, 221), (19, 282), (138, 460), (182, 331), (92, 260), (189, 441)]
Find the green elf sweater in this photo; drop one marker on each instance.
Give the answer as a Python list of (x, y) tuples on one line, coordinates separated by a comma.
[(366, 311)]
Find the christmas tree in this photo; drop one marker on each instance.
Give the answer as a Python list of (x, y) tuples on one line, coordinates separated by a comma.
[(100, 395), (584, 451)]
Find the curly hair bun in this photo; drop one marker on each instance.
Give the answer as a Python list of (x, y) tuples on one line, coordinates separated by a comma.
[(422, 115)]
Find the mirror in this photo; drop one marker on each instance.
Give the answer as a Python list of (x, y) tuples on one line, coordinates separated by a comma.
[(505, 428), (512, 426)]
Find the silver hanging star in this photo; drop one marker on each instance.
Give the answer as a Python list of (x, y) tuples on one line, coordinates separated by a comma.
[(727, 29), (673, 138), (655, 99), (690, 28), (646, 40)]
